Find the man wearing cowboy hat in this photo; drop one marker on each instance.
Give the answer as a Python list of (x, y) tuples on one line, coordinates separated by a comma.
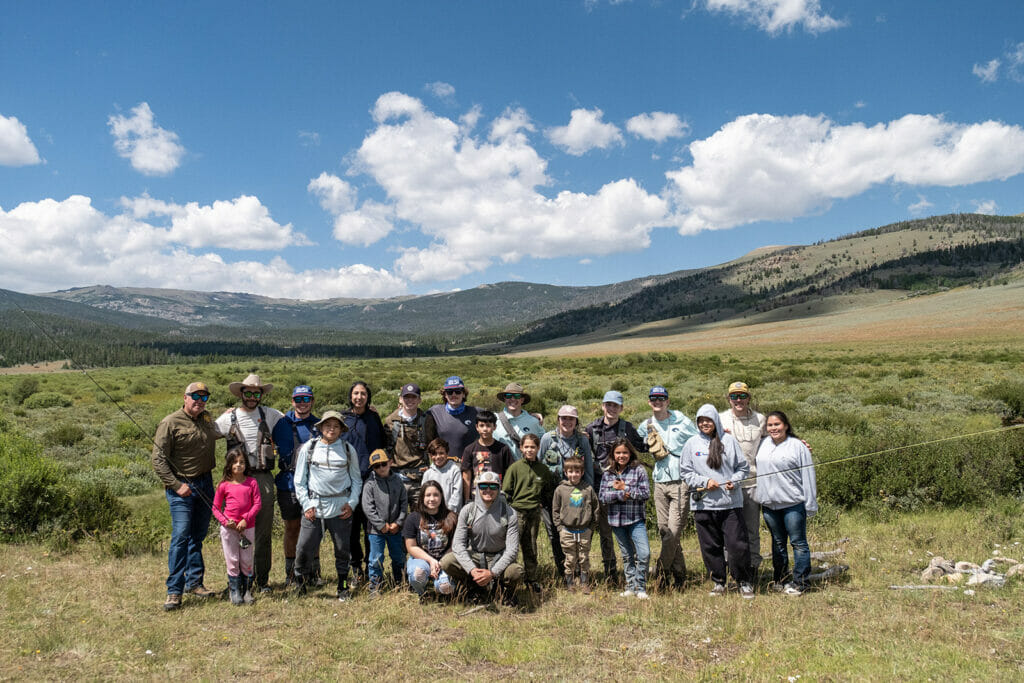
[(513, 421), (249, 428)]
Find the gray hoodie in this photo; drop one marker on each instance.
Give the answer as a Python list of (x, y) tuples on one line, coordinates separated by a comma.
[(486, 537), (385, 500), (693, 466)]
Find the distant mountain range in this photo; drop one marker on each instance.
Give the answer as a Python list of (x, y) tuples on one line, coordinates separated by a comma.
[(922, 255)]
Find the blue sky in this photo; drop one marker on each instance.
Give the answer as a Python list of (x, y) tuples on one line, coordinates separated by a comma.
[(366, 149)]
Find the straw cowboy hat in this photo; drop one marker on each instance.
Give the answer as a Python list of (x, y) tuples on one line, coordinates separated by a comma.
[(251, 382)]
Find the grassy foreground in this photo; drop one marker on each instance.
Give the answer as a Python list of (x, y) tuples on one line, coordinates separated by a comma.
[(86, 615)]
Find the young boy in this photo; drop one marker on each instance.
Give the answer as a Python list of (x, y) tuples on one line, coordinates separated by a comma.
[(445, 472), (385, 502), (485, 454), (574, 511), (529, 484)]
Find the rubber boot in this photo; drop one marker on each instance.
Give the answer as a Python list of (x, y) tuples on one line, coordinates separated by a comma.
[(235, 589), (247, 597), (289, 571), (585, 583)]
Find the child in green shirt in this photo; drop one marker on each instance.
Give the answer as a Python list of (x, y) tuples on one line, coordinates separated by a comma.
[(529, 483)]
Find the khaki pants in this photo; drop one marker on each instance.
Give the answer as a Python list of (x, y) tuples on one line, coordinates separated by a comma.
[(509, 579), (576, 547), (264, 527), (672, 504)]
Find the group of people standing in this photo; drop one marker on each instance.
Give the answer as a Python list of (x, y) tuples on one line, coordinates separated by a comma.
[(454, 494)]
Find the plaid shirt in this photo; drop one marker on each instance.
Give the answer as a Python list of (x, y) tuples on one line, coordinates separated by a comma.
[(622, 512)]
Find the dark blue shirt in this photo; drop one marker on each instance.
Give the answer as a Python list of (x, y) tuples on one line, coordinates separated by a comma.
[(284, 434), (366, 434)]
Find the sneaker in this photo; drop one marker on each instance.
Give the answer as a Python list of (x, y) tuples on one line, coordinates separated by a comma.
[(746, 591), (265, 589), (200, 591), (628, 593), (172, 602), (344, 595), (719, 589), (642, 595), (794, 590)]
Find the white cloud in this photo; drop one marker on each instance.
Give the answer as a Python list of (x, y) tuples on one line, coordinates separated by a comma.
[(775, 16), (241, 223), (477, 200), (985, 206), (371, 223), (441, 90), (988, 72), (151, 149), (16, 149), (309, 138), (764, 167), (1015, 62), (860, 104), (586, 131), (657, 126), (53, 244), (921, 206)]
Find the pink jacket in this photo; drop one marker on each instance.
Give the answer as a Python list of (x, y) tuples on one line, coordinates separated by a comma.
[(239, 501)]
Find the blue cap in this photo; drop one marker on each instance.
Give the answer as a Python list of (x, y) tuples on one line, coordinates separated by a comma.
[(454, 382), (302, 390), (612, 397), (658, 391)]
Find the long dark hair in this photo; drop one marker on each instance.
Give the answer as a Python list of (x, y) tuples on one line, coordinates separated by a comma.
[(447, 517), (229, 462), (364, 385), (785, 420), (622, 441), (715, 448)]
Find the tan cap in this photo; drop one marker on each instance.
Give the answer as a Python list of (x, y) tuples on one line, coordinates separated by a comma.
[(738, 387), (378, 457), (197, 386)]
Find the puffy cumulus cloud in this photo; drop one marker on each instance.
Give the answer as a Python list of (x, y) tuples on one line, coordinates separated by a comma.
[(240, 223), (586, 131), (986, 206), (16, 149), (371, 223), (475, 194), (987, 72), (53, 244), (152, 150), (658, 126), (336, 196), (763, 167), (775, 16), (441, 90)]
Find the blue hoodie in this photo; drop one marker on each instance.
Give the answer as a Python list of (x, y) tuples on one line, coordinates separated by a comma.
[(693, 466)]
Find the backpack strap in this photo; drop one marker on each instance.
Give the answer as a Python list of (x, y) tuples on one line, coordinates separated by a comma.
[(509, 429)]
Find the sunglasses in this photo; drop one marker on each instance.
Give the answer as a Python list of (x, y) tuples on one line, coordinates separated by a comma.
[(196, 396), (658, 399), (516, 396), (738, 397), (302, 399), (380, 464), (487, 487), (452, 392), (251, 394)]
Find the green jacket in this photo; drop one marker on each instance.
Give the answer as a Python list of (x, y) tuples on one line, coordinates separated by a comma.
[(528, 484), (183, 447)]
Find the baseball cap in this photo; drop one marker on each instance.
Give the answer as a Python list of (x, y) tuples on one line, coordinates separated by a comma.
[(613, 397), (410, 389), (568, 411), (302, 390), (454, 382), (739, 388), (658, 391), (378, 456), (488, 478), (196, 386)]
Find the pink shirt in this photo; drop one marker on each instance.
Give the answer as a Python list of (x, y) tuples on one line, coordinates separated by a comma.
[(240, 501)]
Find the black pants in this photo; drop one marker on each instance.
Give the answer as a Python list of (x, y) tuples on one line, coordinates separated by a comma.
[(718, 530), (360, 534)]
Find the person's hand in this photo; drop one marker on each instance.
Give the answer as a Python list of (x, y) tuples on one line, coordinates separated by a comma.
[(729, 486), (481, 577), (808, 445), (240, 525), (711, 485), (625, 495), (619, 485), (310, 514), (435, 568), (346, 511), (392, 528), (183, 490)]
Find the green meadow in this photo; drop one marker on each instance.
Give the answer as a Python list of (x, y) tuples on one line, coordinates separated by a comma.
[(85, 527)]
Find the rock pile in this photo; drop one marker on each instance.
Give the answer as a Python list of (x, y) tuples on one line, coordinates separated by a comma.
[(942, 570)]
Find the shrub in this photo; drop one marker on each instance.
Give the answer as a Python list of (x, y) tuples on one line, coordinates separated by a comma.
[(23, 388), (554, 394), (620, 385), (885, 397), (1011, 395), (47, 399), (64, 434)]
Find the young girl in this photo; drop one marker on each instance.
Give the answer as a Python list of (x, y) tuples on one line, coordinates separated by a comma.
[(445, 472), (625, 489), (428, 536), (788, 492), (235, 505), (713, 462)]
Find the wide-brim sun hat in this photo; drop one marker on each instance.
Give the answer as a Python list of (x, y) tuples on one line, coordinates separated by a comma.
[(514, 388), (251, 382)]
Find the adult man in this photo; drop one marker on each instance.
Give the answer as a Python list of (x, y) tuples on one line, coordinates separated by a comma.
[(513, 421), (406, 434), (748, 427), (452, 420), (250, 428), (366, 434), (486, 542), (183, 456), (665, 432), (294, 429), (603, 432)]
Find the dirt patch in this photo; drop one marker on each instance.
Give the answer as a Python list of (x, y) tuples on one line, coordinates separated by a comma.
[(31, 368)]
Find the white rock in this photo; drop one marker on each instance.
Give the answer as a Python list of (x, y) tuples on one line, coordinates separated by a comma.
[(955, 578), (967, 567), (1015, 570), (968, 592), (932, 574), (984, 579)]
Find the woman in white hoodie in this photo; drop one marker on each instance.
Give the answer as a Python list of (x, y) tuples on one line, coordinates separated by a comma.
[(713, 466), (788, 492)]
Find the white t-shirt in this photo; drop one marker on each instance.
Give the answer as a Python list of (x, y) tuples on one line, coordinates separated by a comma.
[(249, 424)]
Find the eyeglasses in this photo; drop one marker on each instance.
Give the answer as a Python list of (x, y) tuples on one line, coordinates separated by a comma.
[(487, 487), (738, 397), (515, 396), (452, 392), (251, 394), (302, 399), (196, 396)]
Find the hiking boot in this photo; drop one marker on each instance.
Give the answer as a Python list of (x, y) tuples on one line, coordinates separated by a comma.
[(585, 583), (235, 589), (172, 602), (719, 589), (200, 591), (746, 591)]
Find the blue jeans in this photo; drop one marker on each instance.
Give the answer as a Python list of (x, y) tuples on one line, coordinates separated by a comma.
[(396, 549), (442, 584), (636, 553), (789, 523), (190, 520)]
